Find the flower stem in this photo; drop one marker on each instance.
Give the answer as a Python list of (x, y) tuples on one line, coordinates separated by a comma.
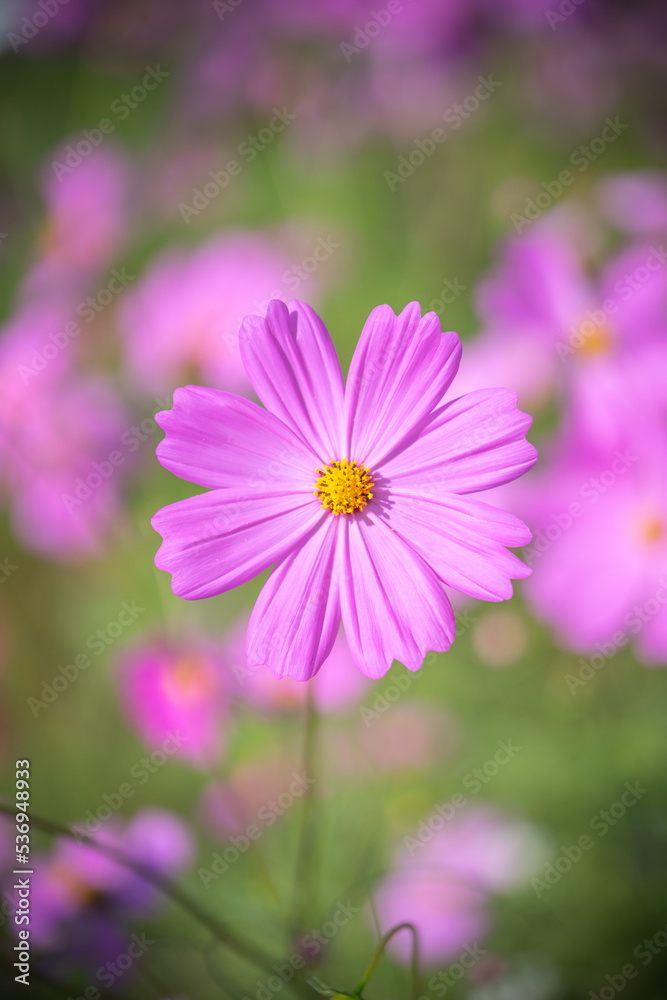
[(248, 950), (305, 889), (414, 963)]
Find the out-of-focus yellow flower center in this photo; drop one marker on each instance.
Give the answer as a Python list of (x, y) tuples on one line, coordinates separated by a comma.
[(344, 486), (653, 530), (80, 890), (600, 341), (188, 679)]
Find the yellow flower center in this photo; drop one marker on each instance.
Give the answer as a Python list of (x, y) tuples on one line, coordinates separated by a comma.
[(600, 341), (188, 679), (84, 893), (653, 530), (344, 486)]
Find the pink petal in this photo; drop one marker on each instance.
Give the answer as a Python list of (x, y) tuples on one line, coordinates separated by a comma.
[(401, 368), (218, 540), (294, 369), (394, 606), (593, 572), (297, 615), (219, 440), (474, 443), (463, 540)]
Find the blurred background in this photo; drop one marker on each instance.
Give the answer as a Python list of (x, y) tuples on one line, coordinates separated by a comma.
[(167, 167)]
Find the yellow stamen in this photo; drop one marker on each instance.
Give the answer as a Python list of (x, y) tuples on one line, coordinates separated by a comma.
[(600, 341), (188, 679), (653, 530), (344, 486), (83, 893)]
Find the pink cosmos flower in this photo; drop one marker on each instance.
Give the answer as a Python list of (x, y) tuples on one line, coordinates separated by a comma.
[(600, 547), (181, 689), (81, 895), (442, 881), (337, 686), (57, 430), (184, 314), (548, 327), (261, 791), (358, 493), (87, 219), (635, 201)]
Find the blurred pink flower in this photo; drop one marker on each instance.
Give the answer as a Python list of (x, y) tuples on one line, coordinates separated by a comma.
[(68, 23), (183, 316), (442, 885), (87, 218), (336, 688), (600, 547), (548, 328), (258, 791), (406, 737), (448, 915), (81, 896), (57, 430), (180, 689), (535, 293), (635, 201)]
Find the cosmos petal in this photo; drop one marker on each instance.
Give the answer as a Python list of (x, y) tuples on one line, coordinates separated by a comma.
[(294, 369), (463, 540), (400, 370), (476, 442), (219, 440), (394, 607), (221, 539), (297, 616)]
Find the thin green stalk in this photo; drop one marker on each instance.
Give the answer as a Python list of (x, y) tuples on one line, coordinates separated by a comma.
[(305, 872), (218, 930), (414, 963)]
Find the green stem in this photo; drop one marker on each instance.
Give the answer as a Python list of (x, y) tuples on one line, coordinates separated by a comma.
[(305, 893), (220, 932), (414, 964)]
